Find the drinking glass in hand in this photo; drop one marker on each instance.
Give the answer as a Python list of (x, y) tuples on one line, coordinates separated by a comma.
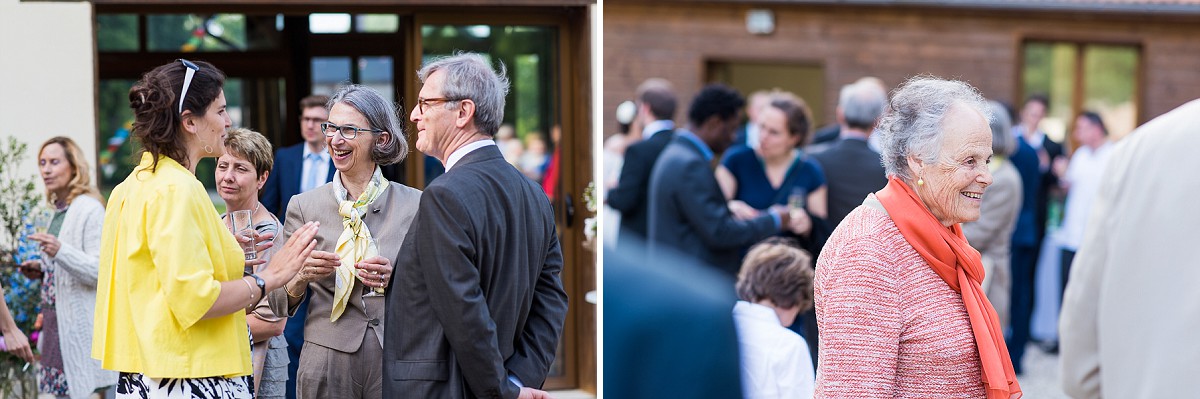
[(242, 227), (797, 201)]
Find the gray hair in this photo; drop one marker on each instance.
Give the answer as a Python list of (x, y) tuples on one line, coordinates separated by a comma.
[(470, 76), (380, 114), (913, 123), (1004, 143), (862, 103)]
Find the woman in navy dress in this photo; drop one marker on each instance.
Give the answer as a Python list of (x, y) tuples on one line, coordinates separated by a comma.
[(776, 171)]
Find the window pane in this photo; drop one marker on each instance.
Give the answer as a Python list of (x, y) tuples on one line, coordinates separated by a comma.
[(328, 73), (1050, 69), (197, 32), (376, 23), (1110, 79), (531, 108), (329, 23), (117, 32), (117, 150), (377, 73)]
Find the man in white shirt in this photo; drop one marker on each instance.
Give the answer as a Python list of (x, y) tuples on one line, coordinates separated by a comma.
[(1081, 179)]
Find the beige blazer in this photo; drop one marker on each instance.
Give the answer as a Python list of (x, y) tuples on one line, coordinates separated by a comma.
[(388, 219), (1131, 314)]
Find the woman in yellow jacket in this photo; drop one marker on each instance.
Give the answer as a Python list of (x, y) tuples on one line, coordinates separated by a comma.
[(171, 295)]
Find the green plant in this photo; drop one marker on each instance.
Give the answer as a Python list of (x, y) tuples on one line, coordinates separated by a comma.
[(17, 196)]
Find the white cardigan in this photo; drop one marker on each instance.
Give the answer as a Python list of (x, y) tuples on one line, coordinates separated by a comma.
[(75, 267)]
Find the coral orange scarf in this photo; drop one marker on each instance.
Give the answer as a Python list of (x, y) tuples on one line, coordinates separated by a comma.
[(953, 259)]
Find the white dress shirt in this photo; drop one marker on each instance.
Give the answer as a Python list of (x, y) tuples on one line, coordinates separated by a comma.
[(313, 172), (466, 149), (775, 361), (1084, 173)]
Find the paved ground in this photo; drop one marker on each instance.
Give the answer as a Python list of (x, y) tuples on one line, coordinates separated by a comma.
[(1041, 375)]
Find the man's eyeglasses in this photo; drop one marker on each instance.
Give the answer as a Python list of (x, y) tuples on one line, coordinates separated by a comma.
[(187, 80), (424, 103), (347, 132)]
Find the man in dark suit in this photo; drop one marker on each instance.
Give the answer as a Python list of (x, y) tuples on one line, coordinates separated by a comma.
[(656, 109), (1024, 260), (668, 329), (852, 168), (687, 211), (299, 168), (477, 303), (303, 166)]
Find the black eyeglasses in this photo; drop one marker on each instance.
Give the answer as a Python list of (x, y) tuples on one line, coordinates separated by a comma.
[(347, 132), (424, 103), (192, 68)]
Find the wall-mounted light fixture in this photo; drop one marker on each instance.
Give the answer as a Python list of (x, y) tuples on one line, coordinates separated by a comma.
[(760, 21)]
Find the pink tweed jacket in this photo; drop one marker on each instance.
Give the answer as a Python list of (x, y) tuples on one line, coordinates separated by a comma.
[(890, 327)]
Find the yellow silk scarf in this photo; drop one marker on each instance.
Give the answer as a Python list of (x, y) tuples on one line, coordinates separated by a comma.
[(355, 243)]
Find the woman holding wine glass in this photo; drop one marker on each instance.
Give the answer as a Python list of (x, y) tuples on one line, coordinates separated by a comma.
[(241, 172), (70, 244), (364, 219)]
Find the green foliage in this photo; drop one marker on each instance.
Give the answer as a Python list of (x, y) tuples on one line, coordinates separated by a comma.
[(17, 192)]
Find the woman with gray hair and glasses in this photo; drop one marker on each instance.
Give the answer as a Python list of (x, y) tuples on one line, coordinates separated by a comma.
[(899, 304), (364, 219)]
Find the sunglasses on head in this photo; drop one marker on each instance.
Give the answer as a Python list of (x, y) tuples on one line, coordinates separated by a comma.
[(189, 72)]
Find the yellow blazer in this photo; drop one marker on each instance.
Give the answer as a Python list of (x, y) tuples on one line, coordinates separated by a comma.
[(163, 254)]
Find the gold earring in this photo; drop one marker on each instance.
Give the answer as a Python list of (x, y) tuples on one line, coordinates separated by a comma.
[(920, 182)]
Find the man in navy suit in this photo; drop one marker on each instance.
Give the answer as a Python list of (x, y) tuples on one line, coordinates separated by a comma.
[(299, 168), (687, 212)]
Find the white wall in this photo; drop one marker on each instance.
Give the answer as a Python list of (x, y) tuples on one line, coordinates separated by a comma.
[(47, 75)]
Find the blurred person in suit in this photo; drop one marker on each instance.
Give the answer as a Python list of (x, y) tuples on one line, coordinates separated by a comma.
[(668, 332), (1130, 315), (687, 210), (655, 113), (852, 169)]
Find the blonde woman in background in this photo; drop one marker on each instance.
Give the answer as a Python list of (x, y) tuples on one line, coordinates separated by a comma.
[(71, 246)]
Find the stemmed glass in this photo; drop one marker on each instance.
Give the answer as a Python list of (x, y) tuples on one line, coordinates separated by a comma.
[(373, 250)]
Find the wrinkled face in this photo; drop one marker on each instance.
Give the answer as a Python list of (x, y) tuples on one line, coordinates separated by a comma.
[(1032, 113), (210, 129), (236, 178), (436, 123), (774, 139), (352, 156), (955, 181), (310, 124), (53, 166)]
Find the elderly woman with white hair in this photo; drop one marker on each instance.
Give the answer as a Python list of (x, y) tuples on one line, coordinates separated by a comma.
[(899, 304), (992, 233)]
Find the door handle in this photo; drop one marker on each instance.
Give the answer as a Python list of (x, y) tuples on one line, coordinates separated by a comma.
[(569, 204)]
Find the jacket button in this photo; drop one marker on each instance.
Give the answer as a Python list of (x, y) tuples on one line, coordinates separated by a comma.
[(373, 322), (375, 211)]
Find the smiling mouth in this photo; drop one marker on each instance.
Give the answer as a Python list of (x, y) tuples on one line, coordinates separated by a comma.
[(972, 195), (341, 153)]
